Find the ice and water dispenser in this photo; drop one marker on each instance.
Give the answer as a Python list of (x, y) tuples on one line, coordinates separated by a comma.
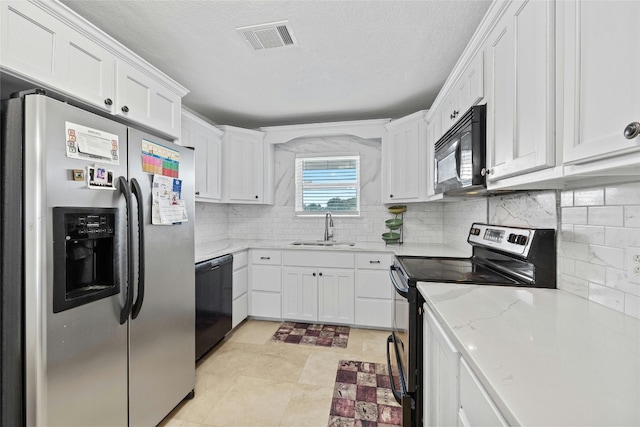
[(85, 249)]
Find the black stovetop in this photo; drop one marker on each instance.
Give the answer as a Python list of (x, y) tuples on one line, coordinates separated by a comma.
[(450, 270)]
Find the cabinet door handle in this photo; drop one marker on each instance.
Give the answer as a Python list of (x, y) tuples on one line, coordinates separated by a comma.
[(108, 101), (125, 109), (632, 130), (265, 257), (374, 262)]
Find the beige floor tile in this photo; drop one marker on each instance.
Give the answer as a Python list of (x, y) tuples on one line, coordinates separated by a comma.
[(251, 402), (254, 332), (321, 368), (248, 380), (309, 407)]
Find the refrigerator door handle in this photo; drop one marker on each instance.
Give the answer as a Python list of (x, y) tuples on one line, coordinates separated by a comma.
[(137, 192), (126, 310)]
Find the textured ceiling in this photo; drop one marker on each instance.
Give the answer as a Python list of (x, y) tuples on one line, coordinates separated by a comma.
[(355, 59)]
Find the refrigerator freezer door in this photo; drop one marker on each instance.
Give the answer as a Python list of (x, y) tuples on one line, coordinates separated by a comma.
[(76, 359), (162, 337)]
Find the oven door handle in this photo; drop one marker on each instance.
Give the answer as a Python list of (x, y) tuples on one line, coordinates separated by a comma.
[(396, 394), (404, 291)]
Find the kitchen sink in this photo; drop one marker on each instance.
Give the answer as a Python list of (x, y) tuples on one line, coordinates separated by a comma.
[(322, 243)]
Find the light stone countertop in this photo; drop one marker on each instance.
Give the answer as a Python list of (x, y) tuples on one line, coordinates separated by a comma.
[(206, 251), (545, 356)]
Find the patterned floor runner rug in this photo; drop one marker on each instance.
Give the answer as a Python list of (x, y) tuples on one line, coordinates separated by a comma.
[(362, 397), (312, 334)]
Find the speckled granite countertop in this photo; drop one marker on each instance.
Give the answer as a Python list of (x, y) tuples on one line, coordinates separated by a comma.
[(205, 251), (545, 356)]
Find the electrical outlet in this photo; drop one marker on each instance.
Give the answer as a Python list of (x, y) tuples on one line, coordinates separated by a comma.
[(633, 265)]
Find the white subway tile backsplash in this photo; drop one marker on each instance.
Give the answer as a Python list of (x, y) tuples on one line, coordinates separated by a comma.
[(594, 197), (607, 296), (604, 255), (591, 272), (606, 215), (622, 237), (566, 198), (588, 234), (574, 215), (577, 251), (618, 279), (574, 285), (624, 194), (632, 216)]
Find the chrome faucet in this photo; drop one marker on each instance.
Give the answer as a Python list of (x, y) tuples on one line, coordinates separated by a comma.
[(328, 222)]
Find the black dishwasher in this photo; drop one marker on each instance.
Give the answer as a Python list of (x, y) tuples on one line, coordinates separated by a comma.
[(214, 279)]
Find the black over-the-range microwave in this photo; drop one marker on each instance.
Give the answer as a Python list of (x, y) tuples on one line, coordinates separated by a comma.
[(460, 160)]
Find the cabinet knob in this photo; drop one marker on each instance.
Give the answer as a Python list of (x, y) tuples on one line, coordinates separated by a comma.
[(314, 274), (319, 274), (125, 109), (391, 196), (197, 193), (256, 197), (108, 101), (632, 130), (488, 171)]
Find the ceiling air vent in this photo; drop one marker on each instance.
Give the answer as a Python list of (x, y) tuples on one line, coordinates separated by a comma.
[(267, 36)]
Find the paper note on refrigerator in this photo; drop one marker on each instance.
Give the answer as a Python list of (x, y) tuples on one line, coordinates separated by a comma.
[(167, 206)]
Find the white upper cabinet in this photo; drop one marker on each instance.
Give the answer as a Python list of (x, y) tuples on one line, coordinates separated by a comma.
[(46, 44), (41, 47), (141, 99), (247, 166), (601, 73), (466, 91), (520, 80), (404, 160), (206, 140)]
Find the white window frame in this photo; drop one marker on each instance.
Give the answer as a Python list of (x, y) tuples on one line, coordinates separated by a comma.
[(299, 185)]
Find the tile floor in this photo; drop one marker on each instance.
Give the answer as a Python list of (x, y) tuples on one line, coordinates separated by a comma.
[(249, 380)]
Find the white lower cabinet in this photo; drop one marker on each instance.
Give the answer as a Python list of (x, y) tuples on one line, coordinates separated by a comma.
[(240, 305), (315, 290), (300, 293), (441, 360), (335, 295), (453, 395), (265, 276), (476, 407), (373, 293)]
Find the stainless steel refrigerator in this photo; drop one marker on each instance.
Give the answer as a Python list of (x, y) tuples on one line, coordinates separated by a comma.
[(97, 291)]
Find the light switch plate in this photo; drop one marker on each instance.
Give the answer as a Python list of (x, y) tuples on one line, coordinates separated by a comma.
[(633, 265)]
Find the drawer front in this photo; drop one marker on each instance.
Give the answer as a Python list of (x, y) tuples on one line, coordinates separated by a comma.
[(319, 259), (240, 282), (266, 256), (374, 260), (374, 313), (373, 284), (240, 260), (265, 278)]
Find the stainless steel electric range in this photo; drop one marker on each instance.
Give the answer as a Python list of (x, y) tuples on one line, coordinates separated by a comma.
[(502, 256)]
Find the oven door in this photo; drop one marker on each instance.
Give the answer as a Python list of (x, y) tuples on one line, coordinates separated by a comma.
[(398, 348)]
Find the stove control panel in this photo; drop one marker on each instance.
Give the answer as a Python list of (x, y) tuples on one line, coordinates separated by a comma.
[(507, 239)]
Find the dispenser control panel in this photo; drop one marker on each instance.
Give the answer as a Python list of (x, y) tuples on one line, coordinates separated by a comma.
[(83, 226)]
